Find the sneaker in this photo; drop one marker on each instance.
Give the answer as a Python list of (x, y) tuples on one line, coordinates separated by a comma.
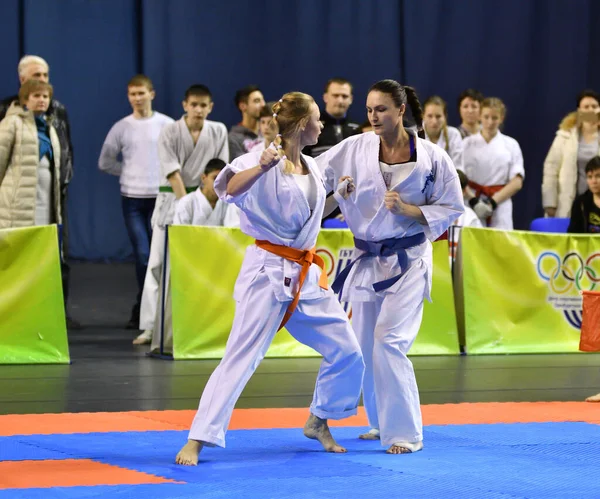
[(144, 339)]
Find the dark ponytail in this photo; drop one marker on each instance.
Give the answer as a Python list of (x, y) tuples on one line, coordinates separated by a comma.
[(415, 109), (402, 95)]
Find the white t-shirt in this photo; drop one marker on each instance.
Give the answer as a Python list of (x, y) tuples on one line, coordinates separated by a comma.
[(136, 141), (394, 174), (308, 187)]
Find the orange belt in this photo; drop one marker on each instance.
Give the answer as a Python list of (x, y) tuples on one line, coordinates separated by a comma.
[(302, 257), (488, 190)]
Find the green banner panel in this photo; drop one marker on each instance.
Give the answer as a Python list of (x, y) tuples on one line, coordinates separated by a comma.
[(522, 290), (205, 262), (32, 314)]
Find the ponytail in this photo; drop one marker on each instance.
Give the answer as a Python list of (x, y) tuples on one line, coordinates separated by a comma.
[(415, 108), (445, 132), (290, 113)]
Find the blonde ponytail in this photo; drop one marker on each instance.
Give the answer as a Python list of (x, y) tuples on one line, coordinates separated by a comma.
[(290, 114), (445, 132)]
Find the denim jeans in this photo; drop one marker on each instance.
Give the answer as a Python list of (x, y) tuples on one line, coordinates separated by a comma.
[(138, 213)]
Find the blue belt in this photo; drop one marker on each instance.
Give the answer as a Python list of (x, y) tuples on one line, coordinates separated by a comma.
[(387, 247)]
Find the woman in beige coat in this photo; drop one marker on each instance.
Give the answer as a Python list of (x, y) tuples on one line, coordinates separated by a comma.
[(29, 161), (576, 142)]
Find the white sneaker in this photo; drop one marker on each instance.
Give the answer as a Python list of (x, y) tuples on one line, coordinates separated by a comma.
[(144, 339)]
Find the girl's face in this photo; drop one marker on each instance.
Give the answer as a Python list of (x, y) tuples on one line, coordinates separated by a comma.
[(470, 111), (491, 119), (382, 112), (312, 130), (433, 119)]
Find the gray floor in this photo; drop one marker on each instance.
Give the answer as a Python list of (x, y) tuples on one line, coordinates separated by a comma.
[(110, 374)]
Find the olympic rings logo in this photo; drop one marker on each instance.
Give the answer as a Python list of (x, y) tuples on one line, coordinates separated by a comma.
[(571, 271), (328, 258)]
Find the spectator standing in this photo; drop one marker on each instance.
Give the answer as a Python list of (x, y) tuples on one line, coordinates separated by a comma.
[(130, 151)]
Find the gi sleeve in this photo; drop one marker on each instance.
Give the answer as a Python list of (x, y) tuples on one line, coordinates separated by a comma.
[(516, 163), (167, 151), (445, 200), (184, 212)]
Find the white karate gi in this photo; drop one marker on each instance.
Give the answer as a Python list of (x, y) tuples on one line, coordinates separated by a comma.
[(232, 217), (177, 152), (259, 147), (455, 146), (276, 209), (387, 322), (195, 209), (494, 163), (192, 209)]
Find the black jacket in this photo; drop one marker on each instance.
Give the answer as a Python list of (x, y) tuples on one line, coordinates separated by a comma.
[(334, 131), (582, 208), (60, 121)]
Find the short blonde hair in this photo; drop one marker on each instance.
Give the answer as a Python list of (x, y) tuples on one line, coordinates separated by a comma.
[(31, 86), (28, 60)]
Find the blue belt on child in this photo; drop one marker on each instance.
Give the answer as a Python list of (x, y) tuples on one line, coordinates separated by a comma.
[(386, 247)]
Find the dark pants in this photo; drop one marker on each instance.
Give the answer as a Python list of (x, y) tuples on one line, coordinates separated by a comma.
[(138, 213), (64, 246)]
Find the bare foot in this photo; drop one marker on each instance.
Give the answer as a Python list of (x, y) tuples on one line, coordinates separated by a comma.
[(372, 434), (317, 429), (405, 447), (593, 398), (188, 455)]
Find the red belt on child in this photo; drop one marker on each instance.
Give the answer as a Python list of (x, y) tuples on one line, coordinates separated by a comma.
[(488, 190), (303, 257)]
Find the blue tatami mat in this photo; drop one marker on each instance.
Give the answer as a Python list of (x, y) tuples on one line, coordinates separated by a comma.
[(533, 460)]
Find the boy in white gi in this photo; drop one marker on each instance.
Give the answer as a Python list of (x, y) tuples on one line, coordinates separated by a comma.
[(203, 206), (184, 149), (494, 164), (407, 194), (282, 282)]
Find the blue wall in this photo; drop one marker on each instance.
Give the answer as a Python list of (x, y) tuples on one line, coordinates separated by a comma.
[(536, 55)]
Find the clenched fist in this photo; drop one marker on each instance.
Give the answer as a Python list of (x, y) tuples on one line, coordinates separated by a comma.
[(394, 203), (271, 156)]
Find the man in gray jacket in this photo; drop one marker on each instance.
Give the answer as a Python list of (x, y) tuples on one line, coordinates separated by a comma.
[(244, 136)]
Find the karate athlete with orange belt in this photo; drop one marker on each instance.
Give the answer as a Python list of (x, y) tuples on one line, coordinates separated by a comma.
[(281, 195)]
